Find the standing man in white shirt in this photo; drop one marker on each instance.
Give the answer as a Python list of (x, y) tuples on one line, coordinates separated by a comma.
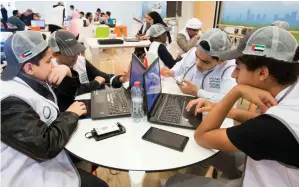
[(202, 72)]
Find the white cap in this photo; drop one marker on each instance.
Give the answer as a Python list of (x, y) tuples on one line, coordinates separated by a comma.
[(194, 23), (157, 30)]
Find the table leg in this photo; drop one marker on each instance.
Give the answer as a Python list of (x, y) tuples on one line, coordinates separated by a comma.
[(136, 178)]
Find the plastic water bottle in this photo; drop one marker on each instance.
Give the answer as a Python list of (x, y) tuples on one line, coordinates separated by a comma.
[(137, 102)]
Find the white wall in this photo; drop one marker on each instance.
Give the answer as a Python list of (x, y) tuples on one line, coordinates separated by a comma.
[(187, 13)]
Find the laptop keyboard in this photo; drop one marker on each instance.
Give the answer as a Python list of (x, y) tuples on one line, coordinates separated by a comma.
[(172, 109), (117, 102)]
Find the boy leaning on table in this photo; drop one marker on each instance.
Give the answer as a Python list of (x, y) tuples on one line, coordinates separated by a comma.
[(85, 77), (267, 76), (33, 130)]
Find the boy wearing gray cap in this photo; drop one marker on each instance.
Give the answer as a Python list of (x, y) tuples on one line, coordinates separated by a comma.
[(267, 76), (85, 77), (158, 36), (33, 131), (202, 72)]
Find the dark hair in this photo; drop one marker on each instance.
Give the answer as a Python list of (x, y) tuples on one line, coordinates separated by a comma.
[(35, 60), (88, 14), (35, 14), (99, 10), (296, 57), (82, 13), (108, 13), (15, 12), (283, 72), (44, 37), (72, 7), (157, 18), (205, 45)]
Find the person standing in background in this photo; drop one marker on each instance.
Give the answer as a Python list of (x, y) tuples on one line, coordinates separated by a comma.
[(57, 17), (189, 36), (89, 18), (4, 13)]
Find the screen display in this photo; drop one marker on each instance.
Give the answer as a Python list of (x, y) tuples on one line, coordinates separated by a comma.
[(165, 138), (152, 85), (137, 70), (38, 23)]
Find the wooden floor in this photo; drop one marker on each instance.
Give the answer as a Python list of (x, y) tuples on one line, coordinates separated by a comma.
[(121, 61)]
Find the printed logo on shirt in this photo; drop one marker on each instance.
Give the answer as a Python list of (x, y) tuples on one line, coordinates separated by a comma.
[(47, 112), (214, 82), (84, 78)]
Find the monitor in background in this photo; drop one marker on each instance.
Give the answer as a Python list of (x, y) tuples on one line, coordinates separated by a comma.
[(38, 23), (152, 81), (137, 70)]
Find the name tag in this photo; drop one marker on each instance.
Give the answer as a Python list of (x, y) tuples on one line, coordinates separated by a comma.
[(214, 82)]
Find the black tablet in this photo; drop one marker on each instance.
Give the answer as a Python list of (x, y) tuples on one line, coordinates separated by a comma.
[(166, 138)]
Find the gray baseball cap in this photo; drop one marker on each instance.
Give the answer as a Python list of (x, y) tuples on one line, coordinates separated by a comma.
[(19, 48), (218, 41), (281, 24), (65, 42), (157, 30), (270, 41)]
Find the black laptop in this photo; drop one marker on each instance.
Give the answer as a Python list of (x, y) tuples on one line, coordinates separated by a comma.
[(164, 108), (116, 102)]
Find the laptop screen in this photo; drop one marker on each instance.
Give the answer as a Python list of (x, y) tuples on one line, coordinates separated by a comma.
[(38, 23), (152, 86), (137, 70)]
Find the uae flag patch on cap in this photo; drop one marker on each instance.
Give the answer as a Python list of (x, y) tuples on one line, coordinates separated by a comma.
[(26, 53), (257, 47)]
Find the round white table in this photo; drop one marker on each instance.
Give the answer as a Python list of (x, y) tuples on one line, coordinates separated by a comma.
[(129, 152)]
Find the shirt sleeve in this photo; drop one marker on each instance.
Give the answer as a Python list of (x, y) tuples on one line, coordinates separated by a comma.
[(93, 72), (22, 129), (265, 137), (184, 44), (110, 79), (166, 57)]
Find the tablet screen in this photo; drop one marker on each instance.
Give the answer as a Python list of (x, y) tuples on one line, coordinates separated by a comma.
[(165, 138)]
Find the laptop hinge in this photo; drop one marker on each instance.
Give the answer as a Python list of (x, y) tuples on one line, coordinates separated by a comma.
[(153, 113)]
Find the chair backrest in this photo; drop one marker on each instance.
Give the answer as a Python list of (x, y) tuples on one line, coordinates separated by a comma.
[(118, 30), (102, 32)]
